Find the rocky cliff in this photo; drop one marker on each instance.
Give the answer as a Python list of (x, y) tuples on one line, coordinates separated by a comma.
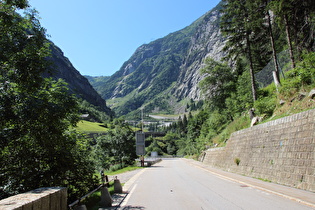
[(205, 42), (166, 71), (78, 84)]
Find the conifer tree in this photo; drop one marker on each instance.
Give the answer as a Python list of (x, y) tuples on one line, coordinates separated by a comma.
[(239, 25), (283, 10), (298, 20)]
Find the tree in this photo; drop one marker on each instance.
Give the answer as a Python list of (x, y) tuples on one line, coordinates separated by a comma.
[(298, 20), (170, 139), (218, 84), (37, 148), (276, 72), (283, 9), (154, 147), (242, 23), (117, 146), (235, 26)]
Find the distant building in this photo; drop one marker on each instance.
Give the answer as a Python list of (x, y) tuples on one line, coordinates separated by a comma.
[(85, 116)]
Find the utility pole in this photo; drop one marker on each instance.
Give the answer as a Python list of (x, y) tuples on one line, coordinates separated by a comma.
[(142, 118)]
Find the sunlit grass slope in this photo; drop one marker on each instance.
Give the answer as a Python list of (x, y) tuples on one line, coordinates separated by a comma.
[(90, 127)]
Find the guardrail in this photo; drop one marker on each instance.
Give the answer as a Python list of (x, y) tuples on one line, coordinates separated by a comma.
[(106, 200)]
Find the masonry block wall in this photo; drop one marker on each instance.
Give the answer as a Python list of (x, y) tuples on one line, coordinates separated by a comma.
[(281, 151), (53, 198)]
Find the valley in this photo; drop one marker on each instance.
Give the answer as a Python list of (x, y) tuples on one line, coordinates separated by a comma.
[(239, 67)]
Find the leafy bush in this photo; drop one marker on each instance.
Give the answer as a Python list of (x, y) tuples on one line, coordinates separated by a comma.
[(154, 147), (265, 105), (116, 167), (117, 147), (302, 75), (237, 161)]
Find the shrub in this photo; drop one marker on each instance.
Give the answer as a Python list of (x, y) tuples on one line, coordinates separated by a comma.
[(116, 167), (237, 161), (265, 106), (302, 75)]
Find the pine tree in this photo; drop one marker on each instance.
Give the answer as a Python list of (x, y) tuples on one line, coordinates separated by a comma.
[(239, 24), (283, 10), (263, 5), (298, 20)]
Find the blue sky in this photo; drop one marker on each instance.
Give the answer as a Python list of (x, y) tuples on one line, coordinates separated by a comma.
[(98, 36)]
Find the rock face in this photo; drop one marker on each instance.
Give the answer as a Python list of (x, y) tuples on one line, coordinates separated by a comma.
[(79, 85), (165, 71), (206, 42)]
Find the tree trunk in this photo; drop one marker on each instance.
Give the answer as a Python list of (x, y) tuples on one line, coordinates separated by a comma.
[(287, 30), (251, 68), (275, 73)]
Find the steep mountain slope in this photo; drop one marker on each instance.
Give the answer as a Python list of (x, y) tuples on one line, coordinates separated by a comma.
[(98, 81), (166, 71), (78, 84)]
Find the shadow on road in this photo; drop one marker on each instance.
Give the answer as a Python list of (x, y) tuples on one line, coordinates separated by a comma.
[(132, 207), (153, 166)]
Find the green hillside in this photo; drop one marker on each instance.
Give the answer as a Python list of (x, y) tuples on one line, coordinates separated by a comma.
[(90, 127)]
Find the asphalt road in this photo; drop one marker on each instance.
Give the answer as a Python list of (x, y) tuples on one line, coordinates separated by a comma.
[(174, 184)]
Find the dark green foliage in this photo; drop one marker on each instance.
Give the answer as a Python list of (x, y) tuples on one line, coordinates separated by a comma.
[(297, 17), (116, 147), (37, 148), (219, 83), (242, 24), (266, 103), (96, 114), (241, 99), (155, 146), (170, 140), (302, 75)]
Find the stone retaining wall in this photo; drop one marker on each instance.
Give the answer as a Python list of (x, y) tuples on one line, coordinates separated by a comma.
[(281, 151), (53, 198)]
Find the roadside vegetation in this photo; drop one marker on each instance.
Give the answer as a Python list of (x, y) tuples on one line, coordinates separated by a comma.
[(39, 146)]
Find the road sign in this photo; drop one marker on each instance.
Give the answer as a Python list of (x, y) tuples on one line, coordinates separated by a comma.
[(140, 136), (140, 150), (140, 143)]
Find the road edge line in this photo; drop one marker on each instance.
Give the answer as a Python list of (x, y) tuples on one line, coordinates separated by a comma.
[(131, 185), (256, 187)]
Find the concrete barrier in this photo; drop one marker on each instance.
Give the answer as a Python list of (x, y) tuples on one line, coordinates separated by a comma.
[(52, 198)]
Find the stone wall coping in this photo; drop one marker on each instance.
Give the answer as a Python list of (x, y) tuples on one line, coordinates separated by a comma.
[(287, 119), (29, 199)]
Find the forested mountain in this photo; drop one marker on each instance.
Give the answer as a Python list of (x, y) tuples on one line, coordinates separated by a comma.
[(166, 71)]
